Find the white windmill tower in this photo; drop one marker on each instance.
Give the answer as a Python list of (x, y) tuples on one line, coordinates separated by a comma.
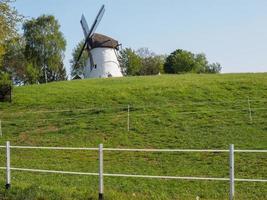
[(103, 51)]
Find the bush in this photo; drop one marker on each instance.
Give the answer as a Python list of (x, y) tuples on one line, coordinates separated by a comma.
[(140, 62), (152, 65), (5, 87), (181, 61)]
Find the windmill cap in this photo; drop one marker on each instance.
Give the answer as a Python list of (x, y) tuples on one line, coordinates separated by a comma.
[(98, 40)]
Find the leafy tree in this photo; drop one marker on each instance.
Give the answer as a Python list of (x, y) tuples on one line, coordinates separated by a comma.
[(79, 68), (140, 62), (144, 52), (213, 68), (44, 49), (130, 62), (19, 68), (9, 18), (14, 61), (201, 63), (152, 65), (181, 61), (31, 74)]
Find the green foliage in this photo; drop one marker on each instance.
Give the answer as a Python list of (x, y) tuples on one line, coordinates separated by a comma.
[(14, 61), (44, 49), (5, 87), (181, 61), (200, 64), (207, 111), (40, 51), (27, 59), (140, 62), (5, 79), (213, 68), (32, 74), (130, 62), (9, 19), (79, 68), (152, 65)]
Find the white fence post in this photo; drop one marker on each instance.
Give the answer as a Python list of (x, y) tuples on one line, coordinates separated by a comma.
[(8, 175), (232, 172), (1, 134), (249, 110), (101, 184), (128, 119)]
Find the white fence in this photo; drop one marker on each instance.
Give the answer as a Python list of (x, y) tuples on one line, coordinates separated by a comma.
[(232, 179)]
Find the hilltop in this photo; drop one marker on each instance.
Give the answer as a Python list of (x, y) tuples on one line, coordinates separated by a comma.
[(167, 111)]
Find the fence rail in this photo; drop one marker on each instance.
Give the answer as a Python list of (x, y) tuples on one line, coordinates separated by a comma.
[(101, 173), (134, 175), (139, 150)]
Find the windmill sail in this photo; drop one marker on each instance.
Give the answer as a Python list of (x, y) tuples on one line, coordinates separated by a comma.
[(91, 31), (97, 21), (84, 26)]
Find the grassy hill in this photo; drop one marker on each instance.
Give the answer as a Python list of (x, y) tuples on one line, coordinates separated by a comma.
[(179, 111)]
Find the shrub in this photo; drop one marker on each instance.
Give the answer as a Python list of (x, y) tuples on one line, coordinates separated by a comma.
[(5, 87)]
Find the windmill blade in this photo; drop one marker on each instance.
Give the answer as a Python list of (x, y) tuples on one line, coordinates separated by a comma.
[(92, 30), (81, 52), (84, 26), (97, 21)]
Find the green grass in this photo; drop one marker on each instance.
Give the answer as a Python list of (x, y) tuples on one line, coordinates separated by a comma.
[(179, 111)]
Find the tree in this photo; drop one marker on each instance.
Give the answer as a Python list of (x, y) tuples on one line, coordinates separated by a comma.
[(152, 65), (213, 68), (144, 52), (19, 68), (79, 68), (201, 63), (31, 74), (181, 61), (140, 62), (44, 49), (130, 62), (9, 18), (13, 61)]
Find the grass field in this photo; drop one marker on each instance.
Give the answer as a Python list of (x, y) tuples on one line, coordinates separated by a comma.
[(179, 111)]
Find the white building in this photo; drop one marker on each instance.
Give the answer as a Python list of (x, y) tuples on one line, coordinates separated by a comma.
[(103, 57)]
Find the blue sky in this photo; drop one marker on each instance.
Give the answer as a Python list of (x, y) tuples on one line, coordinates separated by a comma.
[(231, 32)]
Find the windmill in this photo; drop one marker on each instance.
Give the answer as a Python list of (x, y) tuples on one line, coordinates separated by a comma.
[(103, 51)]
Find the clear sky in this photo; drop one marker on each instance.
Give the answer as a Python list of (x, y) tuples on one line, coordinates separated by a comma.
[(231, 32)]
